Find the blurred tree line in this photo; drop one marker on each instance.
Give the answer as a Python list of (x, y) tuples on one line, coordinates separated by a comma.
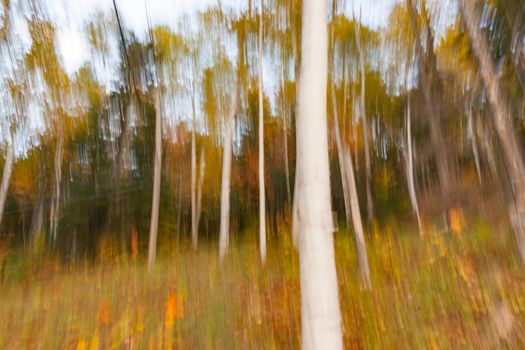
[(428, 118)]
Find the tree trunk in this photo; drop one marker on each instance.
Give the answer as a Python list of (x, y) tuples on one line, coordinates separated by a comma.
[(368, 166), (320, 313), (202, 165), (471, 134), (297, 68), (224, 234), (262, 197), (362, 256), (285, 141), (502, 119), (154, 222), (339, 146), (6, 176), (194, 229), (55, 201), (410, 167)]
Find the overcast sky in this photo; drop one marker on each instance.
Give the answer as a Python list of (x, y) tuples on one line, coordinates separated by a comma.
[(70, 17)]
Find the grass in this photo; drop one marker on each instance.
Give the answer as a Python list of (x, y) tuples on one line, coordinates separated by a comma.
[(433, 291)]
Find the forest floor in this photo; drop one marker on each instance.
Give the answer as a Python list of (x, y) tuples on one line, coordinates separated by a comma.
[(462, 289)]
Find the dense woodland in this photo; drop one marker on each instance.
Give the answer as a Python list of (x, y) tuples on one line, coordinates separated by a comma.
[(163, 146)]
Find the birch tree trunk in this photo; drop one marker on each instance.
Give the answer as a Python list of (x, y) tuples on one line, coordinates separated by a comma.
[(335, 116), (339, 146), (55, 201), (224, 234), (194, 229), (154, 222), (320, 313), (362, 256), (471, 134), (285, 141), (6, 176), (368, 166), (502, 119), (202, 165), (410, 167), (297, 68), (262, 197)]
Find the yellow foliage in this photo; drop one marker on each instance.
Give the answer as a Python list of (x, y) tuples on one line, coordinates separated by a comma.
[(81, 345)]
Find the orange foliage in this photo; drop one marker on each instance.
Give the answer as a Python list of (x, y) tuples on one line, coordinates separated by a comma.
[(174, 309)]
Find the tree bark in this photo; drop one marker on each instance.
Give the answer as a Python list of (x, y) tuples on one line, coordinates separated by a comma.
[(6, 176), (224, 234), (502, 119), (410, 167), (285, 141), (194, 229), (339, 146), (297, 68), (154, 222), (55, 201), (368, 166), (202, 166), (320, 313), (471, 134), (262, 197)]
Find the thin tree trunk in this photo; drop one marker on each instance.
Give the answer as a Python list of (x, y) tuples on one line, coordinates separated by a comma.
[(154, 222), (262, 196), (55, 201), (410, 167), (202, 166), (224, 234), (320, 313), (6, 176), (295, 219), (471, 134), (194, 229), (339, 146), (368, 166), (335, 116), (362, 256), (502, 119), (285, 141)]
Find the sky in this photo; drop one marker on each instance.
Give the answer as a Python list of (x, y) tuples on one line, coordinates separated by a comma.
[(71, 15)]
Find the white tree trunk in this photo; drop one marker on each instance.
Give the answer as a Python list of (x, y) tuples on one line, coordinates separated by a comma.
[(194, 229), (502, 119), (154, 222), (320, 313), (471, 134), (339, 147), (55, 201), (362, 256), (224, 234), (202, 165), (6, 176), (410, 168), (368, 166), (262, 196)]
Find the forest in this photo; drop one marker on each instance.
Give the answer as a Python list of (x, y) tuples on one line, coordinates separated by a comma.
[(262, 174)]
